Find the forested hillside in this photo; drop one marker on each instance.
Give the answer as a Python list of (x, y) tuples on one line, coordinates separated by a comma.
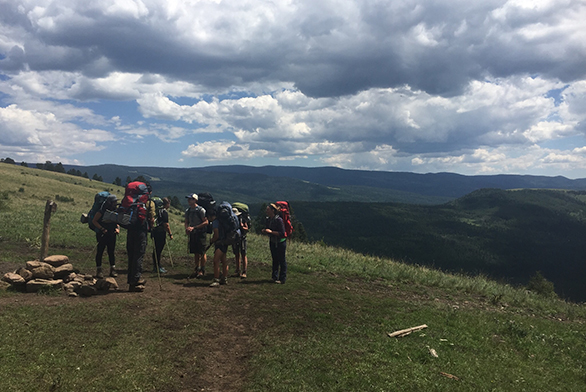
[(509, 235)]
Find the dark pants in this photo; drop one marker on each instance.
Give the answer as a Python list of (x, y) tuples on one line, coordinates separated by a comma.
[(106, 241), (279, 261), (160, 239), (136, 243)]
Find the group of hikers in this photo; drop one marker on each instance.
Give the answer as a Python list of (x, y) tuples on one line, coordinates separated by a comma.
[(228, 224)]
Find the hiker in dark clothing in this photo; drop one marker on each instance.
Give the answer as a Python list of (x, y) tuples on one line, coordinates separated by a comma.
[(275, 229), (241, 247), (136, 244), (159, 235), (196, 224), (220, 250), (106, 237)]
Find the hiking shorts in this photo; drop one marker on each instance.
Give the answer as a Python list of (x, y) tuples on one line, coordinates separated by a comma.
[(222, 246), (197, 242), (240, 247)]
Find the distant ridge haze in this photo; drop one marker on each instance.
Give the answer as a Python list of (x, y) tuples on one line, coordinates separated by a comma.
[(439, 185)]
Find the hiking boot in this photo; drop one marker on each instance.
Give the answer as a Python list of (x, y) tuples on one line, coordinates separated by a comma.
[(201, 273), (215, 283), (243, 276), (236, 274), (277, 281), (224, 281), (136, 288), (141, 282), (162, 270), (113, 272), (99, 273)]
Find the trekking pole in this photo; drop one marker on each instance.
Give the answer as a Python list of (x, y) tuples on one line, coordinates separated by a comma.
[(157, 266), (169, 249), (90, 256)]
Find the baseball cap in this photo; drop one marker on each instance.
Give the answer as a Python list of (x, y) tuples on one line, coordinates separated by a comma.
[(192, 196)]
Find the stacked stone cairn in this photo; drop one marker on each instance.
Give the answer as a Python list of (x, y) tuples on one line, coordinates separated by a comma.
[(57, 272)]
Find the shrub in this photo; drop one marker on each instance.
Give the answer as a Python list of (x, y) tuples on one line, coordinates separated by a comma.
[(64, 199), (538, 284)]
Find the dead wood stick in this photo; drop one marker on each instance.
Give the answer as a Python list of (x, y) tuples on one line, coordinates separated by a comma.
[(50, 207), (405, 332)]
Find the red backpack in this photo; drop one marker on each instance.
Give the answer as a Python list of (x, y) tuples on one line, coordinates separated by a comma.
[(132, 211), (285, 214)]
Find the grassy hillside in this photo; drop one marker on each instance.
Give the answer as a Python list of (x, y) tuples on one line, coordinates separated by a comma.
[(509, 235), (326, 329)]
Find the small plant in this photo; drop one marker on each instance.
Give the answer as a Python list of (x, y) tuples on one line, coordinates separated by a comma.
[(50, 291), (21, 190), (64, 199), (539, 285), (496, 299)]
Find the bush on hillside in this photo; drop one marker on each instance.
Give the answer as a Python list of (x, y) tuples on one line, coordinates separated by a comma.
[(538, 284)]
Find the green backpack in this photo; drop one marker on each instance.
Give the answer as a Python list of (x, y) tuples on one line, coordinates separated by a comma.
[(158, 211)]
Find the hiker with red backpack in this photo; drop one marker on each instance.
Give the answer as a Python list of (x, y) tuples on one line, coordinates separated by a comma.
[(277, 232), (137, 215)]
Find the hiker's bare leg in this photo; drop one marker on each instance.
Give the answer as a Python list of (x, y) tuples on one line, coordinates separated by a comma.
[(217, 257), (225, 266), (238, 271)]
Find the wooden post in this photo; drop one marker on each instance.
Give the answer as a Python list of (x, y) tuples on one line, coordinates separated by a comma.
[(50, 207)]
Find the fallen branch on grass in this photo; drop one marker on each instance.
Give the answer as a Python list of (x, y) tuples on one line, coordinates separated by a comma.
[(448, 375), (405, 332)]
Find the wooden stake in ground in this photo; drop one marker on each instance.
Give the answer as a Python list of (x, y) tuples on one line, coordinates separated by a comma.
[(405, 332), (50, 207)]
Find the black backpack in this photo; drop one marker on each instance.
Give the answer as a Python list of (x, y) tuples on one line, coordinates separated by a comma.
[(206, 200), (229, 223), (99, 200)]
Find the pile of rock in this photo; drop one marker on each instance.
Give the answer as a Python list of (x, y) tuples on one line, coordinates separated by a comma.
[(56, 271)]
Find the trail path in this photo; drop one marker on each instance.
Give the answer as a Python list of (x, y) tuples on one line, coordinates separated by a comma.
[(225, 347)]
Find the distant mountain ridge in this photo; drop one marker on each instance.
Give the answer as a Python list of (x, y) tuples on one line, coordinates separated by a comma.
[(450, 185), (257, 184)]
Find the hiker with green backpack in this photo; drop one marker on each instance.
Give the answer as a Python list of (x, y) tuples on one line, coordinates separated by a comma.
[(106, 231), (160, 230), (241, 246)]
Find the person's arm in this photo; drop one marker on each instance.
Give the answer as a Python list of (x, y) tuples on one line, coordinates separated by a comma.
[(188, 229), (216, 235), (202, 224), (166, 224), (96, 222)]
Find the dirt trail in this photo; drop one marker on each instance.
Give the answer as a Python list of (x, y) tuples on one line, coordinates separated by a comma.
[(223, 350)]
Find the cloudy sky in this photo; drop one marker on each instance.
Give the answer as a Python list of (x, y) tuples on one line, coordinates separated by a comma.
[(472, 87)]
